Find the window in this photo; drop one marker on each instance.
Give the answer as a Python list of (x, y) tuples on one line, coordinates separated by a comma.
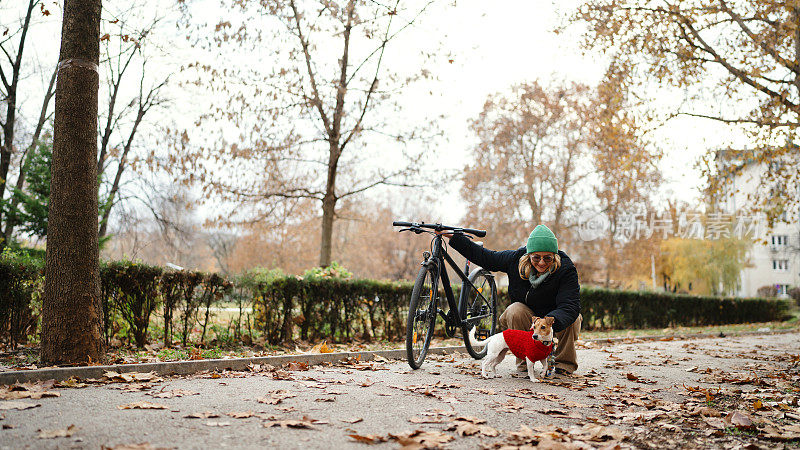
[(780, 265), (780, 240), (783, 289)]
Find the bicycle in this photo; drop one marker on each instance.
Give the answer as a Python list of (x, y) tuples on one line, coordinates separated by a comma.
[(473, 308)]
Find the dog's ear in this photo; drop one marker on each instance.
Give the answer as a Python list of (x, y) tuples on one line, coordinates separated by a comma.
[(549, 320), (535, 318)]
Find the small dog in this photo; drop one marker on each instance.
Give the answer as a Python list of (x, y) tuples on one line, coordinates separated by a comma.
[(534, 345)]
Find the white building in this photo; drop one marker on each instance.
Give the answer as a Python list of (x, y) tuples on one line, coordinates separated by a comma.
[(775, 255)]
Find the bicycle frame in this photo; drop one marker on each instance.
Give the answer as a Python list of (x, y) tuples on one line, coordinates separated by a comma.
[(438, 258)]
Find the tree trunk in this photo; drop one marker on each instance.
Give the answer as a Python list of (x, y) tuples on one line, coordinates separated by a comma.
[(26, 156), (71, 319), (328, 211)]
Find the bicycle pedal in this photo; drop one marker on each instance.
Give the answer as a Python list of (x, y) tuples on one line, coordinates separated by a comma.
[(482, 334)]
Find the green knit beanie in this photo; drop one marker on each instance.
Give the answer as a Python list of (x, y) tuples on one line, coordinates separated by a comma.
[(542, 240)]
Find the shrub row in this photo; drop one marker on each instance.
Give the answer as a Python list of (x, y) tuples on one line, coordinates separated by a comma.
[(322, 304), (604, 309)]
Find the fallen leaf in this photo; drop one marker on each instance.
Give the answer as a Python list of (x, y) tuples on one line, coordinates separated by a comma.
[(421, 439), (12, 404), (63, 432), (140, 446), (201, 415), (240, 415), (276, 397), (322, 347), (739, 419), (174, 393), (142, 405), (296, 366), (368, 439), (352, 420), (289, 424)]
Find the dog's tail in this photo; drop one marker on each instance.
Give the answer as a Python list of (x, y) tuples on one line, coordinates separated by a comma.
[(475, 342)]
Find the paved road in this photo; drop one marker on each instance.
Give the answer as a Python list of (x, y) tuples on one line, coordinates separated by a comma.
[(383, 398)]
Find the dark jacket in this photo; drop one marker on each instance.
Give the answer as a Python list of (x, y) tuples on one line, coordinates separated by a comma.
[(558, 295)]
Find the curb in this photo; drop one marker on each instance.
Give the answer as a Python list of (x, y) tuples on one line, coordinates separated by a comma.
[(190, 367), (240, 364)]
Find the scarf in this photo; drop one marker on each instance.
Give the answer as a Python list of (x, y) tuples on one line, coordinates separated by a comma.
[(537, 280)]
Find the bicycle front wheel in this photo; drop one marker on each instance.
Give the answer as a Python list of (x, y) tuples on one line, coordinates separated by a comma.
[(481, 310), (422, 311)]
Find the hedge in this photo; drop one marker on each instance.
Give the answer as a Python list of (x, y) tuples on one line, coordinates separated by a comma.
[(604, 309), (322, 304)]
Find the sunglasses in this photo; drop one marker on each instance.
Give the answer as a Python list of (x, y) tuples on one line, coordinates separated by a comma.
[(546, 258)]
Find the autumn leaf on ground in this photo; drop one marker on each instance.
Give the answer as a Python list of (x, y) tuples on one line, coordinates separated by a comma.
[(129, 377), (64, 432), (142, 405), (596, 432), (470, 426), (71, 382), (289, 424), (296, 366), (240, 414), (281, 374), (276, 397), (201, 415), (174, 393), (322, 347), (421, 439), (368, 439), (140, 446), (739, 419), (352, 420), (12, 404)]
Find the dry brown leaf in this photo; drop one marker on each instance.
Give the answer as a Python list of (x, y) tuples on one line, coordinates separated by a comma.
[(63, 432), (201, 415), (240, 414), (289, 424), (322, 347), (13, 404), (421, 439), (142, 405), (739, 419), (276, 397), (296, 366), (140, 446), (470, 426), (174, 393), (368, 439), (352, 420)]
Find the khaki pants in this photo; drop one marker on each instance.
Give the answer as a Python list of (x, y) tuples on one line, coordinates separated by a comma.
[(519, 317)]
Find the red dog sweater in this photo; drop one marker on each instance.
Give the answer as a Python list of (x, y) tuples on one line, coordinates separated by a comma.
[(522, 345)]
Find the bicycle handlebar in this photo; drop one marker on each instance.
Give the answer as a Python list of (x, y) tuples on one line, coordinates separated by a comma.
[(440, 227)]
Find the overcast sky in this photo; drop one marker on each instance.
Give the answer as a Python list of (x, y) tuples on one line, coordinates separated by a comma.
[(495, 45)]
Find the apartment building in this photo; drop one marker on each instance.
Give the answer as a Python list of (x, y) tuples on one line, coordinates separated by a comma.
[(774, 258)]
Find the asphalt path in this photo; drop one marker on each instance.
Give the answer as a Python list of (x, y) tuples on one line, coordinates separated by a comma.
[(346, 404)]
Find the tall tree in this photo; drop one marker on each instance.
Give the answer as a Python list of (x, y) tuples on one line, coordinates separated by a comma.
[(29, 155), (123, 53), (625, 163), (740, 61), (308, 117), (71, 311), (530, 157), (12, 45)]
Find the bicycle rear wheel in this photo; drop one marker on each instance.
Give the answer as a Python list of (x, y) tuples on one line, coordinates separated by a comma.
[(422, 311), (480, 310)]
